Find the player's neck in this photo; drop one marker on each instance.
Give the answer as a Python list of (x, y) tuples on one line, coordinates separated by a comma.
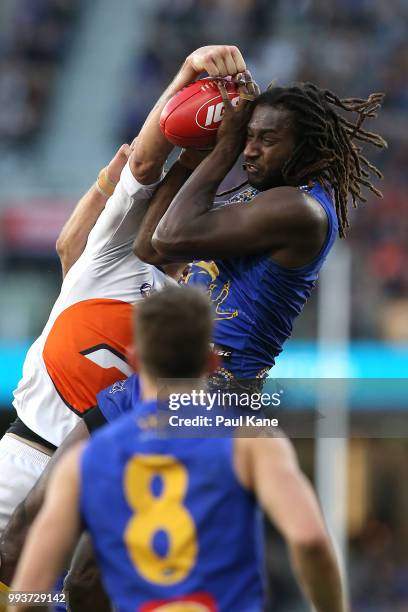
[(148, 387)]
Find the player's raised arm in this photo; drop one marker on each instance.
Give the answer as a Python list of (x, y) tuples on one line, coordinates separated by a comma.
[(55, 530), (275, 220), (269, 467), (152, 148), (175, 178), (72, 239)]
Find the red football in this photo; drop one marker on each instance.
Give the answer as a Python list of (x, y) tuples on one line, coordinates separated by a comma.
[(192, 117)]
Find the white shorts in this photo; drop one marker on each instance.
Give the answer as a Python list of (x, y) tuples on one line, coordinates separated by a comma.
[(21, 466)]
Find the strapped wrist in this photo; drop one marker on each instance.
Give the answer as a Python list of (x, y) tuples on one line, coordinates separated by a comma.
[(103, 184)]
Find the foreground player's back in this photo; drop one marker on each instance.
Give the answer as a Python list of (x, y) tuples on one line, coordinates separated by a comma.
[(169, 519)]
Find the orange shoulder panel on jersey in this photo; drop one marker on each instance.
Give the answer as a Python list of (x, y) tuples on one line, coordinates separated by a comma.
[(85, 350)]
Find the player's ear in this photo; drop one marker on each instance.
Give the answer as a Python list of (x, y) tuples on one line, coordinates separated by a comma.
[(213, 361), (133, 358)]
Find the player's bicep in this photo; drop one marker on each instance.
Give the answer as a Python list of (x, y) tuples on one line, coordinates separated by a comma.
[(122, 216), (233, 230), (66, 473), (272, 221), (116, 225), (243, 229), (60, 513)]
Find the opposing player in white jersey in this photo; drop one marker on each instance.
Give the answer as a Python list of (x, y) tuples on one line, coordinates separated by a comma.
[(82, 348)]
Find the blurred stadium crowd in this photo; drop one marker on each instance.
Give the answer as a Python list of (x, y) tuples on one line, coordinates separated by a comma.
[(32, 49), (353, 47)]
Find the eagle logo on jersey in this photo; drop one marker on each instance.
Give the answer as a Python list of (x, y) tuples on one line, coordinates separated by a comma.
[(118, 386), (218, 298), (85, 350), (207, 273)]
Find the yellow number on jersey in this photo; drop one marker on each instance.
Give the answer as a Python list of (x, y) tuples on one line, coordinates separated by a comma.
[(165, 513)]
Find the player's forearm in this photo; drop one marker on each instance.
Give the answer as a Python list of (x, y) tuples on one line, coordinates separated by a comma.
[(152, 148), (74, 235), (14, 535), (143, 248), (83, 585), (188, 215), (47, 548), (319, 576)]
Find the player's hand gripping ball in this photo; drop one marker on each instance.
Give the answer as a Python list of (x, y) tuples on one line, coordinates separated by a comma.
[(192, 117)]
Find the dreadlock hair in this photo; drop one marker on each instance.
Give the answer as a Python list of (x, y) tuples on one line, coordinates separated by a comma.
[(325, 149)]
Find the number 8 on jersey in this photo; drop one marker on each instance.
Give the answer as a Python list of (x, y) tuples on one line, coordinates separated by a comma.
[(161, 535)]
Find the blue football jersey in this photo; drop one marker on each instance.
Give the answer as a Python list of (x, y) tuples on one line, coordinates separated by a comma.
[(119, 397), (169, 520), (256, 300)]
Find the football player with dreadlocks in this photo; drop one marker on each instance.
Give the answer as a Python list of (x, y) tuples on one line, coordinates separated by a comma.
[(262, 251)]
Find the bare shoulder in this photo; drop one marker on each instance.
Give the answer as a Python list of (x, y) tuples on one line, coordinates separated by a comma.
[(275, 447), (63, 485), (262, 454), (67, 466), (273, 444), (292, 204)]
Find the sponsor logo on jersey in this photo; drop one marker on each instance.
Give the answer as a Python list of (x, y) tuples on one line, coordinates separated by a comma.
[(146, 289), (224, 352)]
